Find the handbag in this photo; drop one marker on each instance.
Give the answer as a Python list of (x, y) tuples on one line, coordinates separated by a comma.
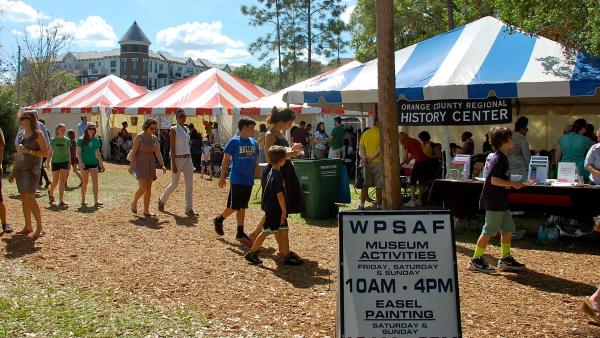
[(129, 156)]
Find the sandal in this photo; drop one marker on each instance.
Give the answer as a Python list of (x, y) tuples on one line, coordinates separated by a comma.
[(591, 310), (133, 208), (98, 204), (51, 198), (63, 204), (149, 215), (6, 228)]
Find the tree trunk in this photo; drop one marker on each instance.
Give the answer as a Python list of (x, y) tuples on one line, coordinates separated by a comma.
[(386, 103), (450, 6), (309, 35), (279, 44)]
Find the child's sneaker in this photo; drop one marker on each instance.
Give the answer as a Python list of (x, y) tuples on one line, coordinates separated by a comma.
[(292, 259), (218, 222), (508, 263), (252, 257), (244, 239), (479, 264)]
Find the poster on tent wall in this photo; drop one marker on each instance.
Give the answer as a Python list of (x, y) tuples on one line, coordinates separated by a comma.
[(164, 121), (454, 112)]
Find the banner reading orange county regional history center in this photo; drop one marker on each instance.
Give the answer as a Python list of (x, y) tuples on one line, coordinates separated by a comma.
[(454, 112)]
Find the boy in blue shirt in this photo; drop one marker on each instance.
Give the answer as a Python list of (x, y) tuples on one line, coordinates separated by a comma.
[(242, 153), (494, 200)]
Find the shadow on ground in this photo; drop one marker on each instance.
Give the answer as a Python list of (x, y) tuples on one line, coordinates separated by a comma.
[(303, 276), (539, 280)]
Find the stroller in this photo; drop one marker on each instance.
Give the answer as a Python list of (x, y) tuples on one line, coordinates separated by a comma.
[(117, 152)]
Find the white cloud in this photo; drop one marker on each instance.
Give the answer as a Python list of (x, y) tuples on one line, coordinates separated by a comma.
[(202, 40), (347, 14), (93, 31), (17, 32), (18, 11)]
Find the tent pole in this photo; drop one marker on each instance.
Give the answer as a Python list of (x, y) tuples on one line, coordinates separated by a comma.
[(446, 142)]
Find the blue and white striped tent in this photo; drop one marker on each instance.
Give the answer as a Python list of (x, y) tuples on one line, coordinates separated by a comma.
[(475, 61)]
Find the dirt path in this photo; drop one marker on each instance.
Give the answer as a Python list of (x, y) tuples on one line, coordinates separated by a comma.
[(176, 259)]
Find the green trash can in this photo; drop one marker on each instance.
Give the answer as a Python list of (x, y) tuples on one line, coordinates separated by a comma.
[(320, 183)]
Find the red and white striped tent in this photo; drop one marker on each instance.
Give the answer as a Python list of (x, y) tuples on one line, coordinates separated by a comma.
[(95, 97), (263, 105), (92, 97), (212, 92)]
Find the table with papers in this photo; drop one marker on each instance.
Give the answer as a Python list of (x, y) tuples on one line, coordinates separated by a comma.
[(462, 198)]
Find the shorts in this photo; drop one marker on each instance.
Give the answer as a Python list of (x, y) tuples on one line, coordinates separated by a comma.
[(498, 221), (60, 166), (90, 166), (239, 196), (335, 153), (374, 175), (424, 171), (206, 163), (273, 223)]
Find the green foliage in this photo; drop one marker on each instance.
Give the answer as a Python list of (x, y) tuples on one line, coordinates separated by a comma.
[(264, 77), (574, 23), (39, 83), (300, 29), (8, 119)]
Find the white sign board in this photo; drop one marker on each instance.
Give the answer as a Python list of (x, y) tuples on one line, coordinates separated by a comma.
[(397, 275), (567, 172)]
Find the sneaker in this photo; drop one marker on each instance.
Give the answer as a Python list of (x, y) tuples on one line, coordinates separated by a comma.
[(292, 259), (6, 228), (252, 257), (244, 239), (508, 263), (361, 207), (479, 264), (191, 213), (161, 206), (411, 204), (218, 222)]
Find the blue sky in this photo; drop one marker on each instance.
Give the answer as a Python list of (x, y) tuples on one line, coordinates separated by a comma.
[(211, 29)]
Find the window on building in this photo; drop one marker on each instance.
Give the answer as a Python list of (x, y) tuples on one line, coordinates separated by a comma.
[(179, 69), (134, 79), (113, 63), (155, 65), (133, 65), (144, 65), (113, 70), (124, 65), (91, 65), (160, 67)]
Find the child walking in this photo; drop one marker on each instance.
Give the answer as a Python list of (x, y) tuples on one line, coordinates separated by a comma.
[(274, 206), (205, 164), (494, 199), (242, 153)]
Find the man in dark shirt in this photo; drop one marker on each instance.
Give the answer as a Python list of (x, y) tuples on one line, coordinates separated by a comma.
[(494, 199), (300, 135)]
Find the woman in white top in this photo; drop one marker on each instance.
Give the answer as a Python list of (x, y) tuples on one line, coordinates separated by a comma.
[(181, 162), (320, 141)]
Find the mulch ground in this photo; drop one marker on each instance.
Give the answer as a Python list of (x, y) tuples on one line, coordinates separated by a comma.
[(179, 260)]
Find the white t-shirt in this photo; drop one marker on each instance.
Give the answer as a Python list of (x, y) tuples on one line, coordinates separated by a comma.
[(320, 137), (182, 140), (206, 153)]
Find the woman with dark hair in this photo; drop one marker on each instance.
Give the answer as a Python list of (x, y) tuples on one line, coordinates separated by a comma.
[(31, 149), (280, 121), (320, 141), (573, 147), (589, 132), (88, 155), (468, 147), (145, 148), (519, 155)]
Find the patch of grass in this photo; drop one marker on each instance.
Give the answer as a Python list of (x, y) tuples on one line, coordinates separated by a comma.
[(34, 303)]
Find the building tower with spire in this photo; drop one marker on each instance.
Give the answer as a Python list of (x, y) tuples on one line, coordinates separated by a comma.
[(135, 55)]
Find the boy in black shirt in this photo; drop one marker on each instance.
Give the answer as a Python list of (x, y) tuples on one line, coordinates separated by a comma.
[(274, 206), (494, 200)]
